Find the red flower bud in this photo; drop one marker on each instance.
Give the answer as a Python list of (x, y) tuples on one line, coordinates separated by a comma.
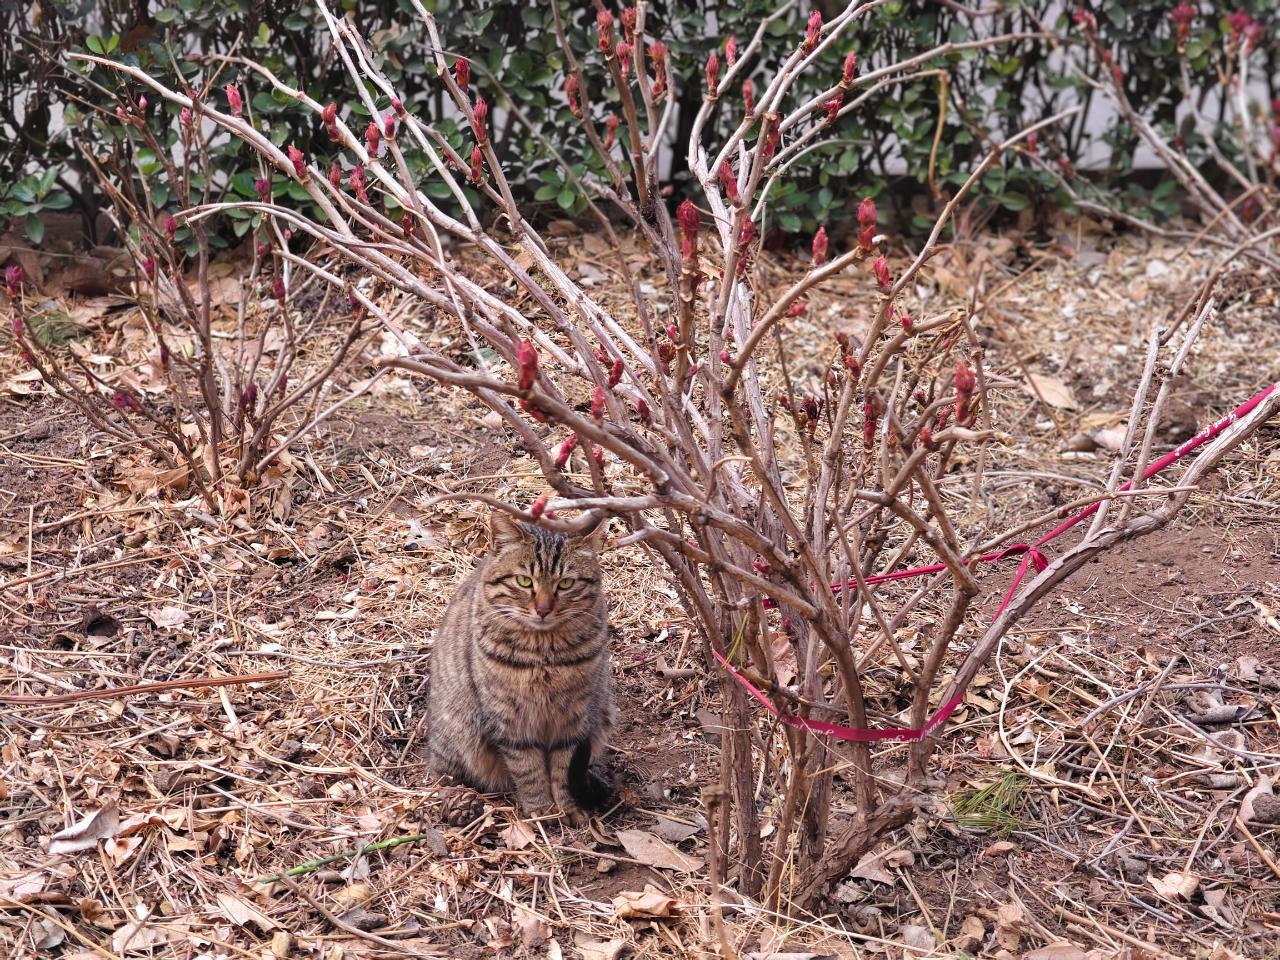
[(713, 74), (597, 454), (850, 67), (262, 187), (852, 365), (731, 50), (149, 266), (842, 339), (867, 221), (642, 409), (329, 114), (820, 247), (1183, 15), (798, 308), (372, 139), (122, 113), (389, 125), (13, 278), (624, 58), (1117, 74), (726, 357), (170, 227), (406, 225), (263, 248), (673, 333), (335, 175), (689, 219), (1085, 20), (477, 165), (480, 114), (907, 323), (566, 450), (629, 21), (124, 401), (772, 138), (248, 402), (528, 407), (357, 180), (728, 182), (748, 97), (1033, 141), (597, 404), (398, 106), (527, 363), (965, 380), (746, 237), (881, 267), (611, 129), (832, 107), (658, 54), (234, 103), (185, 116), (926, 438), (604, 26), (813, 32), (615, 372), (142, 103), (572, 86), (299, 162), (761, 567), (277, 288), (870, 421), (539, 506), (462, 73)]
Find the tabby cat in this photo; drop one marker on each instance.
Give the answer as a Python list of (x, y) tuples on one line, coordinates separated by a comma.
[(520, 695)]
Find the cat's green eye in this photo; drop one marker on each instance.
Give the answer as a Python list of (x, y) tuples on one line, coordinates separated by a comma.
[(524, 581), (565, 584)]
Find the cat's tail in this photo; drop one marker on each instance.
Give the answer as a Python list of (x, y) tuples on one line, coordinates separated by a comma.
[(588, 786)]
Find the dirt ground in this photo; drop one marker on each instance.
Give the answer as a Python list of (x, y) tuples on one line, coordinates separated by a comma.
[(1093, 776)]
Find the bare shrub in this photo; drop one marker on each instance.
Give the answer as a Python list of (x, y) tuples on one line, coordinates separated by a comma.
[(760, 461)]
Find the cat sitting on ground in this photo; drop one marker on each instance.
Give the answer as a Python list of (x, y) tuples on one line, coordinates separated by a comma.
[(520, 696)]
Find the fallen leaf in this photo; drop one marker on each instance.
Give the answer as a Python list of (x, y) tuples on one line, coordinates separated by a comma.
[(1247, 669), (1053, 391), (534, 931), (85, 834), (1055, 951), (242, 913), (651, 903), (362, 919), (27, 885), (918, 938), (517, 836), (972, 932), (1175, 886), (592, 949), (120, 849), (355, 895), (167, 617), (655, 852), (872, 867), (1009, 921), (674, 831), (998, 849)]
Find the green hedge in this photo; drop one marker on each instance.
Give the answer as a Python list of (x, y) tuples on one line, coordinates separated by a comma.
[(514, 50)]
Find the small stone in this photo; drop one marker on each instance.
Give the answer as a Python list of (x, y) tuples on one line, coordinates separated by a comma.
[(606, 865), (1157, 269), (281, 944)]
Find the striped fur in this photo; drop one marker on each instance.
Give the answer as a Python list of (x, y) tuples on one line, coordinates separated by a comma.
[(520, 696)]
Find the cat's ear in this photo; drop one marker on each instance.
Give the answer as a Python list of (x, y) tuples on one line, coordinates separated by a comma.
[(593, 534), (504, 529)]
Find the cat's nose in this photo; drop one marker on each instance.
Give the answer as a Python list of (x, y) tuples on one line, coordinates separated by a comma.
[(542, 609)]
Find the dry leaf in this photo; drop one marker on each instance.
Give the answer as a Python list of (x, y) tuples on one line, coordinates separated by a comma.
[(592, 949), (85, 834), (517, 836), (1055, 951), (651, 903), (1053, 391), (1247, 669), (533, 930), (918, 938), (872, 867), (120, 849), (242, 913), (655, 852), (1009, 920), (356, 895), (167, 617), (1260, 803), (674, 831), (27, 885), (1174, 886), (998, 849), (972, 932)]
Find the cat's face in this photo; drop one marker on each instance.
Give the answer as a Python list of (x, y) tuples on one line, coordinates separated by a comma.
[(540, 580)]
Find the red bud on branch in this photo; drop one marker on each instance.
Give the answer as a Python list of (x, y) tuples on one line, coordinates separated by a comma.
[(480, 113), (566, 450), (234, 103), (642, 410), (820, 247), (728, 181), (527, 363), (624, 58), (299, 161), (689, 219), (277, 288), (329, 114), (658, 54), (746, 237), (372, 139), (965, 383), (149, 267), (335, 175), (477, 165), (813, 32), (713, 75), (881, 268), (850, 68), (867, 221), (628, 22), (610, 129), (604, 26), (533, 411), (185, 116), (731, 50), (462, 73), (13, 278), (832, 107), (572, 86), (748, 97), (615, 372), (170, 227), (870, 420), (262, 187), (597, 404), (357, 181)]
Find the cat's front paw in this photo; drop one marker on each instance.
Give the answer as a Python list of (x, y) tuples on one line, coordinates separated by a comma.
[(573, 816)]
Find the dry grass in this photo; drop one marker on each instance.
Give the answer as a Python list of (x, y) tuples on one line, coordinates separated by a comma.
[(337, 572)]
